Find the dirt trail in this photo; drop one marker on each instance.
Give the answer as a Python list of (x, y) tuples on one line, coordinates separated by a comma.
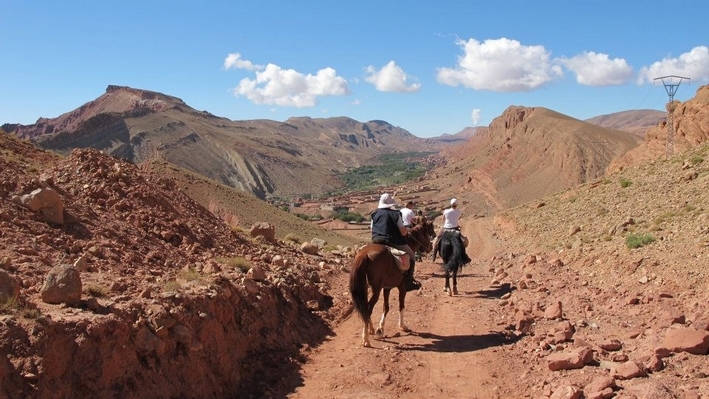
[(456, 349)]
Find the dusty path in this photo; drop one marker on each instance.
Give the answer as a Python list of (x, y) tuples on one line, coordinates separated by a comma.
[(457, 348)]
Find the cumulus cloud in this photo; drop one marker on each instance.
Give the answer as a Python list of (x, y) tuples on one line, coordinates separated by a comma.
[(475, 116), (390, 78), (693, 65), (287, 87), (234, 61), (596, 69), (501, 65)]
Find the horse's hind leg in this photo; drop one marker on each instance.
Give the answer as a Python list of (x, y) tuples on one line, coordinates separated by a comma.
[(380, 329), (365, 334), (402, 305), (455, 282), (447, 287)]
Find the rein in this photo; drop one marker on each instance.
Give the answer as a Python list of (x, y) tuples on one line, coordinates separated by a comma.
[(417, 230)]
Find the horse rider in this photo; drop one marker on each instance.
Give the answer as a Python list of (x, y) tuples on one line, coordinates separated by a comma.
[(388, 229), (407, 214), (451, 218), (419, 218)]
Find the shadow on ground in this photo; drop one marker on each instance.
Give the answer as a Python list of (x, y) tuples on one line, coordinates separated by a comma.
[(461, 343)]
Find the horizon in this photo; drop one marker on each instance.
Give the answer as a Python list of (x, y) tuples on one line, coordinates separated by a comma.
[(429, 69)]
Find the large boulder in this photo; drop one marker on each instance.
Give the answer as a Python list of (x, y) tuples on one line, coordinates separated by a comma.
[(9, 287), (265, 230), (62, 285)]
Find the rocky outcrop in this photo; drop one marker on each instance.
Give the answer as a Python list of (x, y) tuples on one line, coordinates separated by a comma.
[(691, 128)]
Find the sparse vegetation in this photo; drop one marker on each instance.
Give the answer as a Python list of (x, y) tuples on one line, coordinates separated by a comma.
[(624, 182), (171, 286), (696, 159), (293, 238), (191, 275), (237, 262), (347, 216), (13, 305), (634, 240), (393, 169)]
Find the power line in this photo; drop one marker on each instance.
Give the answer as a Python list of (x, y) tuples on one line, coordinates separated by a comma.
[(671, 83)]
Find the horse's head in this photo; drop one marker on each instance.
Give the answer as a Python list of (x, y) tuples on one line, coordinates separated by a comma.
[(428, 228)]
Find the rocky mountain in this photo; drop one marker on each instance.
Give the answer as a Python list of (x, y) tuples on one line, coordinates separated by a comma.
[(527, 153), (637, 122), (263, 157), (691, 128)]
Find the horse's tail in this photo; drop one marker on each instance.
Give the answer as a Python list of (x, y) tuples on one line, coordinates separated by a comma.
[(358, 285), (455, 260)]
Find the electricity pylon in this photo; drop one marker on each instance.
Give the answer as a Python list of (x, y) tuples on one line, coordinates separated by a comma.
[(671, 83)]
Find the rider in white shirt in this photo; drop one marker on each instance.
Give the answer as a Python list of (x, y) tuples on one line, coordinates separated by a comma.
[(407, 214), (451, 218)]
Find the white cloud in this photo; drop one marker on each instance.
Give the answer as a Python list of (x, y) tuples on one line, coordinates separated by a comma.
[(234, 61), (501, 65), (390, 78), (596, 69), (287, 87), (475, 116), (693, 65)]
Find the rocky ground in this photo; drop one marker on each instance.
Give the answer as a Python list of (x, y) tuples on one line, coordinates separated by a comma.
[(114, 283), (134, 290), (563, 301)]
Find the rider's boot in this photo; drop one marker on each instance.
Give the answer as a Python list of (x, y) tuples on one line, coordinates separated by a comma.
[(435, 248), (411, 283)]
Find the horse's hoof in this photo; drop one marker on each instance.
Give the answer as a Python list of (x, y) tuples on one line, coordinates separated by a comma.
[(405, 329), (379, 332), (450, 293), (455, 291), (366, 344), (445, 289)]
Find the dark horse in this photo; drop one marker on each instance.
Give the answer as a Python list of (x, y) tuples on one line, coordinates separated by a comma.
[(454, 258), (375, 266)]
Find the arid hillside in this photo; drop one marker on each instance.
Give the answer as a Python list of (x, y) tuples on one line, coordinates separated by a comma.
[(691, 128), (596, 291), (637, 122), (115, 283), (263, 157), (527, 153)]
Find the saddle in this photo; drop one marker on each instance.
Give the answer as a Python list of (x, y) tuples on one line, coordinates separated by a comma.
[(398, 256), (463, 238)]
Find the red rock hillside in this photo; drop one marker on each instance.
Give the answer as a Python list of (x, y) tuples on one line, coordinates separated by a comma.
[(113, 283)]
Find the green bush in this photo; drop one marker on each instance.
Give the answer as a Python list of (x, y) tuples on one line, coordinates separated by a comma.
[(634, 240), (392, 169), (292, 237), (347, 216), (625, 182), (237, 262), (695, 159)]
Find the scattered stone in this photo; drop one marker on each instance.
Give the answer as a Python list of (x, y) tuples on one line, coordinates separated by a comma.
[(62, 285)]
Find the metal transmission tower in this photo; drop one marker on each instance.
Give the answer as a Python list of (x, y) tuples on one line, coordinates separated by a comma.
[(671, 83)]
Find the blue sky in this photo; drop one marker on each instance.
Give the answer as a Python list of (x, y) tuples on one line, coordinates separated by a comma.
[(430, 67)]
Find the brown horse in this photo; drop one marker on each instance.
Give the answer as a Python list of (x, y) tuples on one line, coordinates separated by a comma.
[(375, 266), (419, 238)]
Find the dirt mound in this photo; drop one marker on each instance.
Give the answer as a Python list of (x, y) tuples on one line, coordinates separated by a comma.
[(174, 303)]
